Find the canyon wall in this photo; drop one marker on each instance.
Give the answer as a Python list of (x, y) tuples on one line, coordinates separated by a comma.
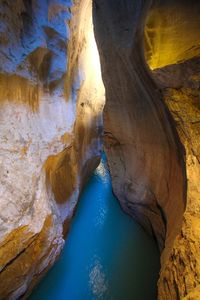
[(180, 84), (172, 50), (151, 123), (145, 156), (51, 123), (51, 99)]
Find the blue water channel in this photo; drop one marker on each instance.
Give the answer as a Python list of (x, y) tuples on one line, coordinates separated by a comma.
[(107, 255)]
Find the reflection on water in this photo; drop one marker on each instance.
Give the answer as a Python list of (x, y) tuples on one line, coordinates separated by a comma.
[(102, 173), (98, 283), (107, 255)]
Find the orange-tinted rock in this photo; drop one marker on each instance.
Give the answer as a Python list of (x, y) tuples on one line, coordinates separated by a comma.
[(145, 156), (182, 272), (51, 123), (148, 119)]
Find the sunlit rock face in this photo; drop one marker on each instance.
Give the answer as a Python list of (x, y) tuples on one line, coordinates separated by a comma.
[(152, 126), (172, 32), (50, 120)]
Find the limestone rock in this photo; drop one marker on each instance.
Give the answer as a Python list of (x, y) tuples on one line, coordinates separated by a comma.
[(50, 120)]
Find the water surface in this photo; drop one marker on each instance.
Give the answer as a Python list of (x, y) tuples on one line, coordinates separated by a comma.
[(107, 255)]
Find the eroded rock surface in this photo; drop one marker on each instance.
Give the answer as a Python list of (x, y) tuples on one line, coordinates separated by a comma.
[(171, 32), (145, 156), (51, 98), (180, 84), (50, 120), (149, 117)]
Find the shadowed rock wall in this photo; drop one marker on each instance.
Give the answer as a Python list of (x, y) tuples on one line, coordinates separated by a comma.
[(181, 90), (150, 169), (144, 152), (173, 35)]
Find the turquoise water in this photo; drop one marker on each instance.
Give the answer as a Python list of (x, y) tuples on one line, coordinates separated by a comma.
[(107, 255)]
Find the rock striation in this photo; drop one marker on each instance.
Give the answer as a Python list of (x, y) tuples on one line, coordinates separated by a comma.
[(51, 123)]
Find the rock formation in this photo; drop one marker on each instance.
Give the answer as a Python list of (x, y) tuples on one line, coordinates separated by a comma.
[(51, 99), (50, 119), (154, 177), (181, 89), (174, 39)]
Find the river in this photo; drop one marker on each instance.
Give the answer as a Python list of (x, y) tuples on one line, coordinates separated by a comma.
[(107, 255)]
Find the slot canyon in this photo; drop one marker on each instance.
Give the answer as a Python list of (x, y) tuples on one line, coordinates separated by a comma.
[(99, 149)]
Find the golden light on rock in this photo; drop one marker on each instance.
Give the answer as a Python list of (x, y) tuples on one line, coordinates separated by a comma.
[(171, 34)]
